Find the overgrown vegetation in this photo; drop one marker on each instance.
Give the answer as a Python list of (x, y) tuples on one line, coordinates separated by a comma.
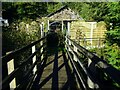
[(24, 19), (112, 55)]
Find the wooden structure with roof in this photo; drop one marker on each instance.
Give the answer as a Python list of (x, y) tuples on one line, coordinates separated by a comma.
[(68, 21)]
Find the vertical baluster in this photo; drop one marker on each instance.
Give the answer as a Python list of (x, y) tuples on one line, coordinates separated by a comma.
[(41, 43), (48, 25), (41, 29), (69, 43), (34, 59), (74, 56), (68, 28)]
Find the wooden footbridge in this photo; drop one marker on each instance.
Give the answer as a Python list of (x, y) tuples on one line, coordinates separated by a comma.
[(72, 68), (49, 66)]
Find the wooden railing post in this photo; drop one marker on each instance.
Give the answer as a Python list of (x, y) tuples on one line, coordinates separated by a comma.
[(66, 41), (48, 25), (69, 43), (41, 50), (68, 28), (41, 30), (34, 59), (41, 43), (10, 67), (74, 56)]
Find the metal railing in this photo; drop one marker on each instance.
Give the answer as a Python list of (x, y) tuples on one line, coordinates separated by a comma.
[(30, 74), (91, 71)]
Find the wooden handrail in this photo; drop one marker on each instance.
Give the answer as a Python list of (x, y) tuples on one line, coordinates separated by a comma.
[(86, 71), (112, 72), (6, 81), (9, 56), (81, 81)]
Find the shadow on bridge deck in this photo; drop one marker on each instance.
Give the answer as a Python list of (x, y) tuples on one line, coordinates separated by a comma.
[(55, 73)]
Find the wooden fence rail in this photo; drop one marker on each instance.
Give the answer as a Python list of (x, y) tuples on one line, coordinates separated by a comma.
[(97, 73), (12, 74)]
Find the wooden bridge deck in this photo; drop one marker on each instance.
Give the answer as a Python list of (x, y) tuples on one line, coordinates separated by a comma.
[(56, 74)]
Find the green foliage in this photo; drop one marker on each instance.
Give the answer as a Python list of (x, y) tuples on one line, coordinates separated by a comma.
[(90, 11), (112, 55), (113, 34), (24, 10), (98, 51), (75, 6), (86, 12), (13, 39), (53, 6)]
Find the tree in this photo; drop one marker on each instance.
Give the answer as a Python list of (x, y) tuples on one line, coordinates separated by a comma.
[(113, 17), (24, 10), (53, 6)]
